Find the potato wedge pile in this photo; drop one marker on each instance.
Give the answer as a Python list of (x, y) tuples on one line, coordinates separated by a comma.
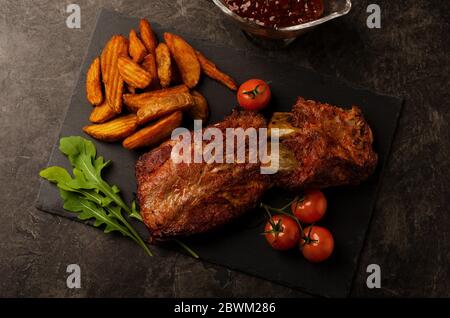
[(140, 88)]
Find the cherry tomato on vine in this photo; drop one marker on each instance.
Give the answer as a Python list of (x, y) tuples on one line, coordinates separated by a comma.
[(254, 94), (311, 207), (317, 244), (282, 232)]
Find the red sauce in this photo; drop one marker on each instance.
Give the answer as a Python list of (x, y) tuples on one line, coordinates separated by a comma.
[(277, 13)]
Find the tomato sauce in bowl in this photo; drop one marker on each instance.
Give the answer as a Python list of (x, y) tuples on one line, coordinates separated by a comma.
[(277, 13)]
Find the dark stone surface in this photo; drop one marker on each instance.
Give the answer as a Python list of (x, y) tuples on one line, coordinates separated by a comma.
[(409, 234)]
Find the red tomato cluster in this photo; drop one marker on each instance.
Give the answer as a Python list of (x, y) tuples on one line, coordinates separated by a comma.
[(284, 231)]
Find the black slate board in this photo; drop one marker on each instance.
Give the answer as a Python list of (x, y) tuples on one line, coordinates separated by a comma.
[(239, 245)]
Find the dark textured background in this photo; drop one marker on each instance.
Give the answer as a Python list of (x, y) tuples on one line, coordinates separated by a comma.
[(409, 235)]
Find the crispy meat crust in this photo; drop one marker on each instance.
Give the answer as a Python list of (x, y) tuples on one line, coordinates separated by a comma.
[(328, 146), (187, 198), (331, 146)]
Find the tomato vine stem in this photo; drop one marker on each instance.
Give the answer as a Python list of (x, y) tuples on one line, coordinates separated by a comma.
[(269, 208)]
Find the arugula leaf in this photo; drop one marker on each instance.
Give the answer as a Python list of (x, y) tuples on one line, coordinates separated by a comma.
[(135, 212), (115, 189), (75, 203), (82, 155), (187, 248), (64, 181), (89, 195), (115, 212)]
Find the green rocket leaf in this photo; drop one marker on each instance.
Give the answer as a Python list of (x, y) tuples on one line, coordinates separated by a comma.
[(87, 194), (82, 155), (89, 210)]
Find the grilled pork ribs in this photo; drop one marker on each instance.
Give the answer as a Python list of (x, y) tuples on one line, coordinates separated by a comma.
[(179, 199), (323, 146), (320, 146)]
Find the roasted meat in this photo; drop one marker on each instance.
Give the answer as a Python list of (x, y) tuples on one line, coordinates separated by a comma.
[(323, 145), (179, 199), (320, 146)]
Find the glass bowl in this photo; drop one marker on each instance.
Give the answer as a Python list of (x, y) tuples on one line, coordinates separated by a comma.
[(332, 9)]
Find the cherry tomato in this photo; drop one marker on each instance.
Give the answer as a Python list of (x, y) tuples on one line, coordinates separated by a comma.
[(311, 207), (282, 232), (254, 94), (317, 243)]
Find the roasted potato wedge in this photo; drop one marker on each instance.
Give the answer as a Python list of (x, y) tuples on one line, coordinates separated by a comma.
[(102, 113), (132, 73), (137, 49), (131, 89), (160, 106), (185, 58), (164, 64), (211, 70), (149, 64), (114, 92), (176, 75), (200, 108), (116, 129), (94, 92), (136, 101), (154, 133), (117, 46), (148, 37)]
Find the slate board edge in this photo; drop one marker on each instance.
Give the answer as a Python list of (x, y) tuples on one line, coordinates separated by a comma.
[(324, 77), (377, 191), (58, 137)]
